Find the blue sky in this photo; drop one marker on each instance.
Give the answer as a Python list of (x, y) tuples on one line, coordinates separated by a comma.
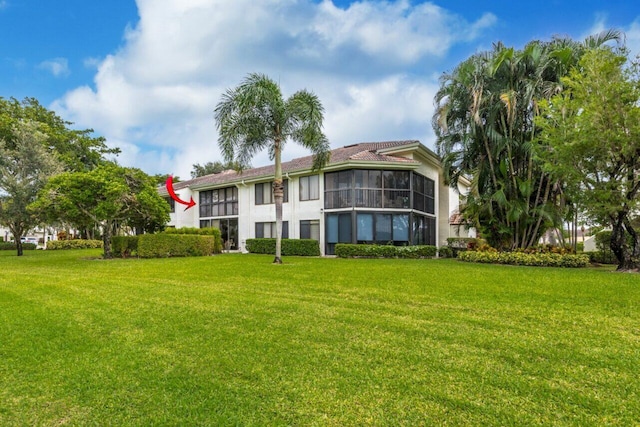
[(147, 74)]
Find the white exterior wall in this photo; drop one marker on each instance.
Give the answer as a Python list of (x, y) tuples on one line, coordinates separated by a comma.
[(181, 218), (249, 213), (454, 207), (295, 210)]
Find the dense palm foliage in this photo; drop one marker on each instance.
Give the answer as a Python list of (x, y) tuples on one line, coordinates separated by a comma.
[(254, 116), (484, 122)]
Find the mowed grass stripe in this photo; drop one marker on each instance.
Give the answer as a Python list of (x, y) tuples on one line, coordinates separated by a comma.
[(233, 339)]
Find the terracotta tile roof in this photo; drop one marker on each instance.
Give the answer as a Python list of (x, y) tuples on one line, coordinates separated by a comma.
[(363, 152), (456, 218)]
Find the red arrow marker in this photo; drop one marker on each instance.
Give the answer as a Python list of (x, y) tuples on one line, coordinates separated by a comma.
[(175, 197)]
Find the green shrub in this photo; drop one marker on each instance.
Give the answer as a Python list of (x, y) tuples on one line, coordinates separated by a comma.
[(530, 259), (603, 240), (165, 245), (445, 252), (124, 246), (348, 250), (73, 244), (8, 246), (207, 231), (290, 247), (602, 257), (547, 249)]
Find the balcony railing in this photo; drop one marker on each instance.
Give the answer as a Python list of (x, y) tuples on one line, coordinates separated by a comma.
[(334, 199), (367, 198)]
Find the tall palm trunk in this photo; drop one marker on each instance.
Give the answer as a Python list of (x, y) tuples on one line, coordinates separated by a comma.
[(278, 197)]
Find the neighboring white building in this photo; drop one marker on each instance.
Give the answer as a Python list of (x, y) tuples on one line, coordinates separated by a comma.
[(381, 192)]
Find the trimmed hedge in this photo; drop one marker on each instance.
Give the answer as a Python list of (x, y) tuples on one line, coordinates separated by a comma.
[(445, 252), (165, 245), (290, 247), (520, 258), (349, 250), (53, 245), (124, 246), (207, 231), (8, 246)]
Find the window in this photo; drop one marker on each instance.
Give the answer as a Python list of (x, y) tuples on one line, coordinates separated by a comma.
[(423, 194), (396, 189), (368, 188), (309, 187), (424, 230), (228, 230), (382, 228), (172, 204), (401, 228), (268, 230), (365, 228), (264, 192), (310, 229), (338, 230), (220, 202), (338, 189)]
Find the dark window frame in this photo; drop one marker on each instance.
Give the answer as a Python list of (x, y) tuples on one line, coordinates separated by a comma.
[(218, 202), (259, 229), (259, 194), (306, 227), (308, 180)]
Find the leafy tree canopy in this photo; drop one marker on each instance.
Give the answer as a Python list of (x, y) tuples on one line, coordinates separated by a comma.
[(25, 167), (77, 149), (591, 140), (484, 123), (210, 168), (109, 196)]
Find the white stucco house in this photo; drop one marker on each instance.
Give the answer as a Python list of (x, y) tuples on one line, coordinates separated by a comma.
[(376, 192)]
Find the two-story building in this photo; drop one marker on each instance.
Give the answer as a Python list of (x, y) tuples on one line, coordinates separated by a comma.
[(379, 192)]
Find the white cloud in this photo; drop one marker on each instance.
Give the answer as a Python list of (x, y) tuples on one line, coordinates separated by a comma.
[(59, 67), (633, 37), (369, 64)]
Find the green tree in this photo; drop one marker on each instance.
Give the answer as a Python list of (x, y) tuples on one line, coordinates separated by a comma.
[(254, 116), (77, 149), (25, 167), (484, 123), (109, 196), (210, 168), (161, 178), (591, 140)]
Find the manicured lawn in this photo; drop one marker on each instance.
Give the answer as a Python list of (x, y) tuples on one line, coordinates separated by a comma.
[(235, 340)]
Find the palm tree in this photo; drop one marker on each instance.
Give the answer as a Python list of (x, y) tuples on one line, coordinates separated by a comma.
[(484, 123), (254, 116)]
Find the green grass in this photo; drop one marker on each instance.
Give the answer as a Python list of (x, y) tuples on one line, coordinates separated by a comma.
[(235, 340)]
